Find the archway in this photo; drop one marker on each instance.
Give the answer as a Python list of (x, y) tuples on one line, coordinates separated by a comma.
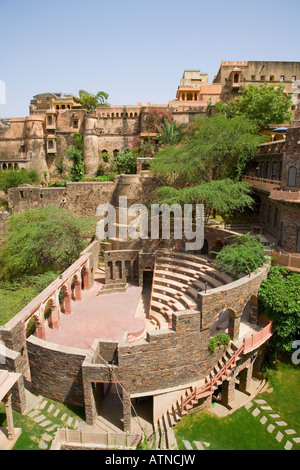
[(216, 248)]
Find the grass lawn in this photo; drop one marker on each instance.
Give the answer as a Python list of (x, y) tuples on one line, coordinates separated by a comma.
[(32, 432), (241, 430)]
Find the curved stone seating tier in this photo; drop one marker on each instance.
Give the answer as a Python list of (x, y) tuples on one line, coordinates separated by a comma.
[(178, 279), (169, 301), (172, 275), (180, 262), (201, 259), (176, 294), (192, 273), (160, 319)]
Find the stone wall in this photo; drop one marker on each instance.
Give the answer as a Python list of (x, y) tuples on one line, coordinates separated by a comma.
[(81, 198), (234, 296), (56, 371), (14, 363)]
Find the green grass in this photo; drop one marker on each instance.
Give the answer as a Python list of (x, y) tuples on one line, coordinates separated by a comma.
[(31, 432), (241, 430)]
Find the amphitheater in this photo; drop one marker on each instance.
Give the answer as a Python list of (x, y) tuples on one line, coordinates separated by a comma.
[(127, 336)]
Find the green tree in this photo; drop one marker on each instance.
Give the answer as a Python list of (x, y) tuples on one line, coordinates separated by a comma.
[(92, 101), (217, 148), (279, 298), (75, 154), (42, 240), (12, 179), (223, 196), (125, 163), (264, 105), (170, 133), (244, 255)]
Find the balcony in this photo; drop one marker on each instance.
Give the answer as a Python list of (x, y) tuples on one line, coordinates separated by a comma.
[(286, 196), (264, 184)]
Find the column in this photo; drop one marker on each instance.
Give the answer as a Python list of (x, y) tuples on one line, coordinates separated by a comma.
[(234, 325), (77, 289), (246, 379), (86, 279), (68, 302), (126, 412), (55, 314), (9, 417), (228, 391)]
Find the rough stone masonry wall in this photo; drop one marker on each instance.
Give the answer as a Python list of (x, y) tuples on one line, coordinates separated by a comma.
[(168, 358), (81, 198), (56, 371), (232, 296)]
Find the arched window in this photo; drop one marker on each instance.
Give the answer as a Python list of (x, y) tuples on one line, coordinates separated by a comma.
[(115, 153), (236, 78), (292, 176)]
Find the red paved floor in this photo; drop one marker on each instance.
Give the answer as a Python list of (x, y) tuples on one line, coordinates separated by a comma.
[(104, 317)]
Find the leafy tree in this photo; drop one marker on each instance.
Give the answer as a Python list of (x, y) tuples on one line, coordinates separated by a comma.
[(12, 179), (75, 154), (264, 105), (41, 240), (125, 163), (279, 300), (170, 133), (223, 196), (244, 255), (217, 148), (92, 101)]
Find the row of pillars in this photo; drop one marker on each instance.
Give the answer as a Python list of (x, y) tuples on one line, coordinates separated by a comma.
[(56, 309), (122, 270)]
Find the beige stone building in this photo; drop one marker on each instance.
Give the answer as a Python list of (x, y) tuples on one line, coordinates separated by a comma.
[(234, 75)]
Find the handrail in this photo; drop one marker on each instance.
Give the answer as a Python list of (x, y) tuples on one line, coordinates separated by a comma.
[(248, 345)]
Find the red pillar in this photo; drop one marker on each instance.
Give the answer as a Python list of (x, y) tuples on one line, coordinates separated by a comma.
[(68, 303), (77, 290)]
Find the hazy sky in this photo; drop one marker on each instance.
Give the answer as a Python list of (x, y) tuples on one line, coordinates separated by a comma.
[(135, 50)]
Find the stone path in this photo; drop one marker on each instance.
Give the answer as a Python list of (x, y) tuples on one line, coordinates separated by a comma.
[(197, 444), (47, 415), (269, 418)]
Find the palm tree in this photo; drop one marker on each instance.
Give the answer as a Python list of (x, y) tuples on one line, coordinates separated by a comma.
[(170, 133), (92, 101)]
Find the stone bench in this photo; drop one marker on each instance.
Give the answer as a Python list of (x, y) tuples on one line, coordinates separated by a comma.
[(169, 301), (175, 294), (171, 275)]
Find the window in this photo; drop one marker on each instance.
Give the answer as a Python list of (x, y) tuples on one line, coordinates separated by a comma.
[(276, 218), (236, 78), (292, 176), (282, 78), (272, 78), (50, 145), (253, 78), (75, 123), (269, 214), (262, 78), (294, 78), (50, 121), (22, 149), (274, 171)]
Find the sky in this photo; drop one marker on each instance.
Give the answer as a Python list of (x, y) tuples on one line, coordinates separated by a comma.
[(135, 50)]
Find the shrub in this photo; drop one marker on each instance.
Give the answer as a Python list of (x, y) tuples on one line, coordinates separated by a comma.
[(244, 255), (219, 341), (12, 179)]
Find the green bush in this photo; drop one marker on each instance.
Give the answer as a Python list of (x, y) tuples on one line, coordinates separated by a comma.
[(244, 255), (41, 240), (218, 341), (12, 179)]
